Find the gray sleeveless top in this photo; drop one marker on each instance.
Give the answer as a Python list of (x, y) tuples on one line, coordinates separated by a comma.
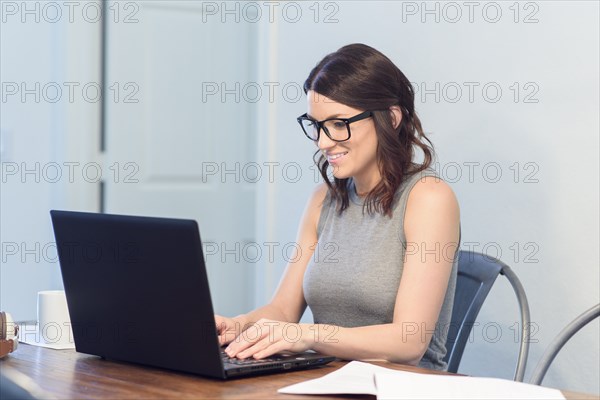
[(353, 277)]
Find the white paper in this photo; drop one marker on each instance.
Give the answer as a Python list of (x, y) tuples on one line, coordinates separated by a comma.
[(353, 378), (409, 385), (362, 378), (29, 333)]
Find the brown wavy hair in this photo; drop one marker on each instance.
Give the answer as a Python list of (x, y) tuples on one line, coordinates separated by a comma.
[(361, 77)]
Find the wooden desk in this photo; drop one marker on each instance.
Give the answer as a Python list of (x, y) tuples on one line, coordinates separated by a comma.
[(67, 374)]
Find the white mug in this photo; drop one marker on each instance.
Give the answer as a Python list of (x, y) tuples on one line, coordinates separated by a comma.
[(53, 318)]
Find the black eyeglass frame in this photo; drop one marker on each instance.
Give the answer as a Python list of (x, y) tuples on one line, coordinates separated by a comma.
[(347, 121)]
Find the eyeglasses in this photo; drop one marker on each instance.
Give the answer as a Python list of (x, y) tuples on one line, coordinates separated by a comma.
[(336, 129)]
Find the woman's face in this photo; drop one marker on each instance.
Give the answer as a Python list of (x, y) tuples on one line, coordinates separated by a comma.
[(356, 157)]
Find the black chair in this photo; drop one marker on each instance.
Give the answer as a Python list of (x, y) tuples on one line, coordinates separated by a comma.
[(476, 276), (563, 337)]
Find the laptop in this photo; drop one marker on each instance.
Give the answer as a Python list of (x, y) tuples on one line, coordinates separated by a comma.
[(137, 291)]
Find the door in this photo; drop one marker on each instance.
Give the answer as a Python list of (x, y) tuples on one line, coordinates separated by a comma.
[(175, 147)]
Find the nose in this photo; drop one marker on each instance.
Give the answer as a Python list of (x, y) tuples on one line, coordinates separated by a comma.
[(324, 141)]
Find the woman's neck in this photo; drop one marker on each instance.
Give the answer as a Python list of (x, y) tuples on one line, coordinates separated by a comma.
[(364, 186)]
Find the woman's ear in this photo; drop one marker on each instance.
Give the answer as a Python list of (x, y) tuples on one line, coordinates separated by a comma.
[(396, 116)]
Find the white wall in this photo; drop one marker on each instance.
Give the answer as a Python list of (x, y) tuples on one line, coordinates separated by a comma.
[(31, 134), (40, 132), (544, 219)]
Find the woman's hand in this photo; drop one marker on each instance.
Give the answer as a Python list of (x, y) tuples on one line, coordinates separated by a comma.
[(267, 337), (227, 328)]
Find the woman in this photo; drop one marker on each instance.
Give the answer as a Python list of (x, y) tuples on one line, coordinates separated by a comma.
[(377, 258)]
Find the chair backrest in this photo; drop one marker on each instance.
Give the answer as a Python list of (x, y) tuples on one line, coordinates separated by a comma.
[(476, 276), (563, 337)]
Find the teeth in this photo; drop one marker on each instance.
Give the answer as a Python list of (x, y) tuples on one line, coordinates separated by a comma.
[(336, 156)]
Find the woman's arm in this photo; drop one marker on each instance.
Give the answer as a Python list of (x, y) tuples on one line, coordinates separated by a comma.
[(431, 228), (288, 304)]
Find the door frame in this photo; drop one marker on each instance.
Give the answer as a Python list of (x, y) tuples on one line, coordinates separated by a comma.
[(84, 63)]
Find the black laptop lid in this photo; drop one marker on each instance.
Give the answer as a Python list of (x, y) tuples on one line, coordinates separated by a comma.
[(137, 290)]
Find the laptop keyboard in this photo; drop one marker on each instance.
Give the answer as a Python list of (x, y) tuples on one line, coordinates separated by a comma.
[(247, 361)]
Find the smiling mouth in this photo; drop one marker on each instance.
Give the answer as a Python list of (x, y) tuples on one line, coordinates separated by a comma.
[(334, 157)]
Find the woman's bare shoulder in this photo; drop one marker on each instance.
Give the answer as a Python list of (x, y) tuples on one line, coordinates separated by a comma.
[(315, 203), (432, 196), (319, 193), (432, 189)]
